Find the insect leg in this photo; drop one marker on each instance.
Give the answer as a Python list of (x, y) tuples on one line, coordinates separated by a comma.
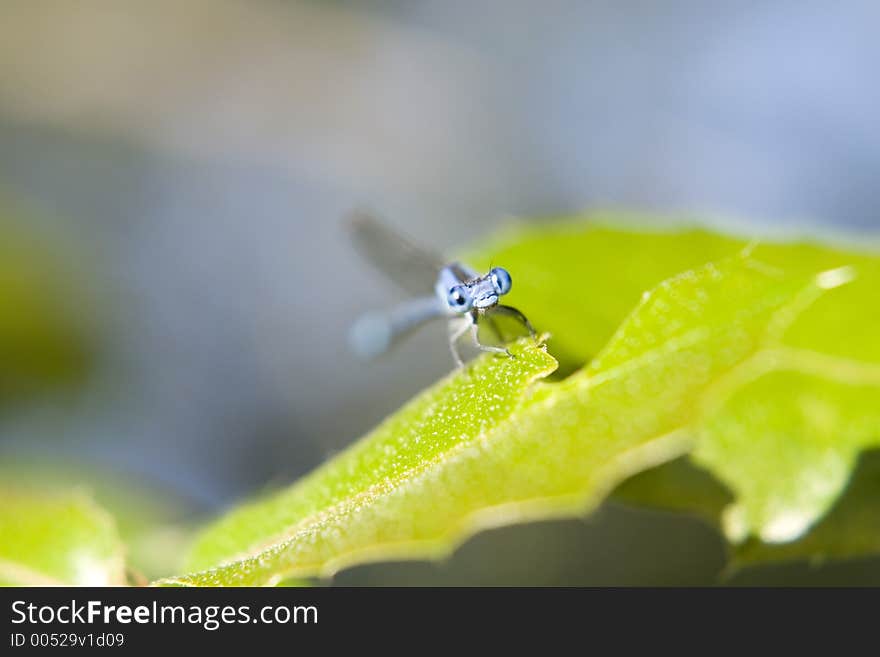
[(455, 333)]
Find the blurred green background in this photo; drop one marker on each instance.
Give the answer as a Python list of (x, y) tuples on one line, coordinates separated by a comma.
[(177, 285)]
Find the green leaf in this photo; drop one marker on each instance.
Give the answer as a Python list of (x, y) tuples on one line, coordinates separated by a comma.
[(784, 430), (801, 411), (786, 442), (488, 446), (849, 529), (761, 367), (153, 523), (57, 539), (440, 424), (677, 486), (579, 280)]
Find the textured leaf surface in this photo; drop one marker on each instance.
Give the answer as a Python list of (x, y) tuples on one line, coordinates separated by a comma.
[(490, 446), (787, 426), (57, 539), (757, 362)]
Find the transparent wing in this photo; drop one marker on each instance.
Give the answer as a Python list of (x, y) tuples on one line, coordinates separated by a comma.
[(412, 268), (376, 332)]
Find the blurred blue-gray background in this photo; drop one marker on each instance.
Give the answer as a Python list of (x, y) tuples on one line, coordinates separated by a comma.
[(202, 154)]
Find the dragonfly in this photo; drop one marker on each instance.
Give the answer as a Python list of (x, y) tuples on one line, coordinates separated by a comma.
[(442, 289)]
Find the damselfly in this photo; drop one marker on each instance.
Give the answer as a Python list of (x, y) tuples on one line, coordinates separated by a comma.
[(460, 294)]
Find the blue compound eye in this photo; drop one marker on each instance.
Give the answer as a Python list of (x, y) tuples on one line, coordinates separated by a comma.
[(459, 299), (500, 280)]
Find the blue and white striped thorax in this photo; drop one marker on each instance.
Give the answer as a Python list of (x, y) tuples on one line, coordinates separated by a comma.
[(463, 290)]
